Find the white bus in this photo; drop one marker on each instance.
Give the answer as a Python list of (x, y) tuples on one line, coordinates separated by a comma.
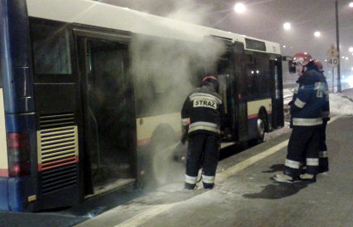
[(91, 94)]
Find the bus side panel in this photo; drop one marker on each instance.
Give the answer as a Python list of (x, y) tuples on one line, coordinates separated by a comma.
[(57, 145), (21, 194)]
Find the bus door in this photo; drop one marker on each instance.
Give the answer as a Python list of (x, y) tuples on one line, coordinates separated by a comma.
[(108, 111), (240, 94), (232, 89), (277, 94)]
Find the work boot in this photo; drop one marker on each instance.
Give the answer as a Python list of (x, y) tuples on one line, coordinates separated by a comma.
[(207, 186), (188, 186), (282, 178), (307, 177)]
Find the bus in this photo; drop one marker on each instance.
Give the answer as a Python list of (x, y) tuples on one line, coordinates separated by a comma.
[(91, 94)]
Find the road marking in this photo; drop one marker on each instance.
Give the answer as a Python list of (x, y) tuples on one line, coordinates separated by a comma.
[(146, 215), (158, 209)]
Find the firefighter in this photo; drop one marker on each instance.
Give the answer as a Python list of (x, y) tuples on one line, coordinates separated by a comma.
[(306, 121), (323, 157), (201, 126)]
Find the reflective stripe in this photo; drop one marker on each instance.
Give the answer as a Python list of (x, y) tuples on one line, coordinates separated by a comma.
[(292, 164), (323, 154), (185, 121), (299, 103), (201, 125), (190, 179), (312, 162), (208, 179), (307, 121), (205, 96)]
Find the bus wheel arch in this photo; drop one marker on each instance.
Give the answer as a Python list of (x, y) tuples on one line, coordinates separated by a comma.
[(160, 159)]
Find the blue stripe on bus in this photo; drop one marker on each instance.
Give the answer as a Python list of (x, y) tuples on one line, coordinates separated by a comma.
[(16, 57), (20, 123), (4, 202)]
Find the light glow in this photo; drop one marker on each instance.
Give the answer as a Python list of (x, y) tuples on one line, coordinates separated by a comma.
[(286, 26), (317, 34), (239, 8)]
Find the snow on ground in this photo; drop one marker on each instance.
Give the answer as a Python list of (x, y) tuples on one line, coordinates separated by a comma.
[(341, 104)]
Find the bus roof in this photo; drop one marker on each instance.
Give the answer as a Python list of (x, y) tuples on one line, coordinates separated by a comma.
[(93, 13)]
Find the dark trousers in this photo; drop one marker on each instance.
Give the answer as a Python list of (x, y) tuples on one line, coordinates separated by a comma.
[(303, 147), (323, 158), (203, 152)]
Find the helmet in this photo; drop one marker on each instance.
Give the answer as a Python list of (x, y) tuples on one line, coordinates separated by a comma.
[(208, 78), (211, 80), (319, 65), (302, 57)]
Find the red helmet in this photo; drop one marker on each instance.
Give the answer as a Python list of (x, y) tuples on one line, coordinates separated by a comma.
[(302, 57), (319, 65), (208, 77)]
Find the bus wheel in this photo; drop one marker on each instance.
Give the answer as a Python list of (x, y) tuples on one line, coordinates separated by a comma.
[(163, 168), (261, 128)]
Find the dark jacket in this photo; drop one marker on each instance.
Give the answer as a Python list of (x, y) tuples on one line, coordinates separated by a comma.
[(202, 111), (309, 99)]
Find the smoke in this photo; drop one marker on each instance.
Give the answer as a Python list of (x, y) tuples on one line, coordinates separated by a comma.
[(166, 70)]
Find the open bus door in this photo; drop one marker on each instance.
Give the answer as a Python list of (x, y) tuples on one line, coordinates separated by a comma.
[(233, 92), (240, 94), (277, 94), (108, 111)]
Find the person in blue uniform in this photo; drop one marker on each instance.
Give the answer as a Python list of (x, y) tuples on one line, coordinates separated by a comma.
[(306, 121)]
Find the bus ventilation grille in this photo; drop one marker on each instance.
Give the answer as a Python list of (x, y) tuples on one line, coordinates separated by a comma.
[(57, 120), (59, 178), (57, 154)]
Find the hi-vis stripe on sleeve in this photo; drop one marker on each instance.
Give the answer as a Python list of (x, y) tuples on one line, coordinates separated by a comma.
[(204, 96), (299, 103)]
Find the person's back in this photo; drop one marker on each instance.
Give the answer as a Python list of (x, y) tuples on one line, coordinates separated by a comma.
[(201, 120)]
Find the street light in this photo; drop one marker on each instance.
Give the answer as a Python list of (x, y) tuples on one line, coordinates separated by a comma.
[(239, 8), (286, 26), (317, 34)]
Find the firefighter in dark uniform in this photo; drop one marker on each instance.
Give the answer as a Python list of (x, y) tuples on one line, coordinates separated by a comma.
[(201, 126), (323, 156), (306, 120)]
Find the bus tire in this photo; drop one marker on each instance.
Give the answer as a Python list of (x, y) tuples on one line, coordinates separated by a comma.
[(261, 127)]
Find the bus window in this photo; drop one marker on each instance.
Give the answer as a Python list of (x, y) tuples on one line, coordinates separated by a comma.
[(51, 48), (258, 76)]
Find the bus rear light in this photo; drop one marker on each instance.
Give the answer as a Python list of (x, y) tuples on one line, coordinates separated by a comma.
[(17, 140), (19, 154)]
